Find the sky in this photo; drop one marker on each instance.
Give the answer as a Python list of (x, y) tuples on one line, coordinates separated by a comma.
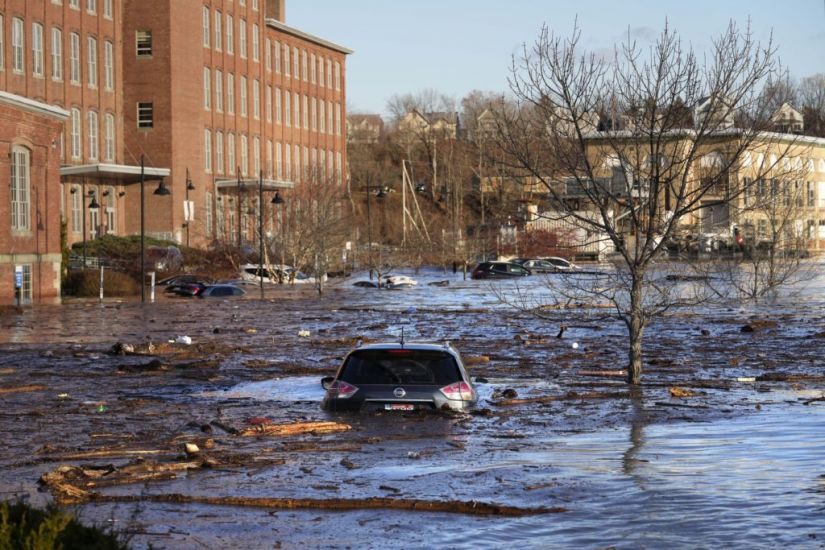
[(457, 46)]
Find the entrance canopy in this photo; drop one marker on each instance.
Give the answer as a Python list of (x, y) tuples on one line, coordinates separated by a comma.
[(124, 173), (249, 183)]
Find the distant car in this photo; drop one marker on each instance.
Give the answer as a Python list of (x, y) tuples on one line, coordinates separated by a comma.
[(186, 289), (499, 270), (182, 278), (221, 291), (394, 282), (277, 274), (400, 377), (546, 265)]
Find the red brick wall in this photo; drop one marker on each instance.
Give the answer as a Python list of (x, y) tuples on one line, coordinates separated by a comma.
[(39, 247)]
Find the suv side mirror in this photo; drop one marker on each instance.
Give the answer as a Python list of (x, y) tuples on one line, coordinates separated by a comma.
[(327, 381)]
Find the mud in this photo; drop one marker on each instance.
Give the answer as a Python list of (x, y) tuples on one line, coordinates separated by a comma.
[(111, 424)]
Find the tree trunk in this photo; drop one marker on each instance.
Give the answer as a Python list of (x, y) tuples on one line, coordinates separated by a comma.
[(636, 327)]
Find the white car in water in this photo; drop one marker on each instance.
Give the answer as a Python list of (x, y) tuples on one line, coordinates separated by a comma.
[(277, 274)]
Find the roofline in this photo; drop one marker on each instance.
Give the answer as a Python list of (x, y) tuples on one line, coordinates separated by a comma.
[(275, 24), (689, 132), (33, 106)]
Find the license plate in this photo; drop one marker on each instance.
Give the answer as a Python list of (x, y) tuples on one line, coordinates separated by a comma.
[(399, 407)]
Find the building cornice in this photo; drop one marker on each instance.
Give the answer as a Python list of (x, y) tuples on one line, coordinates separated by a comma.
[(277, 25), (33, 106)]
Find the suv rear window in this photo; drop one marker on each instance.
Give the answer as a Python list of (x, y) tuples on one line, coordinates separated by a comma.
[(401, 366)]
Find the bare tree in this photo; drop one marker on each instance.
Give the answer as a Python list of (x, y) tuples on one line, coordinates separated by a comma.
[(812, 103), (636, 182)]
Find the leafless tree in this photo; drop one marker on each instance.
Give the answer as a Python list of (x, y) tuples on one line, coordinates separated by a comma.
[(636, 182)]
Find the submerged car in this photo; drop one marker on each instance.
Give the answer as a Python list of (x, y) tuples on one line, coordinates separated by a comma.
[(547, 265), (220, 291), (277, 274), (499, 270), (400, 377)]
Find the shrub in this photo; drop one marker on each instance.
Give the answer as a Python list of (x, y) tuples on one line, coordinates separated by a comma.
[(22, 526), (86, 283)]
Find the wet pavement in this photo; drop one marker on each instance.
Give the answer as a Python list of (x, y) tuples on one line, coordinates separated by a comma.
[(738, 463)]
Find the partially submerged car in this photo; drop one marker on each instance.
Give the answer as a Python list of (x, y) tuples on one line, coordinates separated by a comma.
[(277, 274), (499, 270), (392, 282), (552, 264), (400, 377), (220, 291)]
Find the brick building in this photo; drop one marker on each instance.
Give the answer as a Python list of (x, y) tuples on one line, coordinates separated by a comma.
[(210, 94), (29, 242)]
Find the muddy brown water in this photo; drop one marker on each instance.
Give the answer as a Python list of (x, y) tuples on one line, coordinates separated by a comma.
[(738, 464)]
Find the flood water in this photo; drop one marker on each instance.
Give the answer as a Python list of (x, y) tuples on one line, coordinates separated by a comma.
[(740, 464)]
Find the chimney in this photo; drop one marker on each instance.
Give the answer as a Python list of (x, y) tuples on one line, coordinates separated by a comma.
[(275, 10)]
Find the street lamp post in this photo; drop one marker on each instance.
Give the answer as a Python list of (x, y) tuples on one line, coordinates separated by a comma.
[(161, 191), (188, 209)]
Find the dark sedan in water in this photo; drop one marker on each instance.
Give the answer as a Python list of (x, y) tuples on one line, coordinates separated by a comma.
[(499, 270), (400, 377)]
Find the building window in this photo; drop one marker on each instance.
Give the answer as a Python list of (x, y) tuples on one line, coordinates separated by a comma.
[(230, 35), (295, 66), (242, 38), (230, 93), (107, 9), (143, 43), (2, 42), (287, 109), (230, 153), (207, 150), (219, 91), (111, 212), (57, 54), (219, 152), (304, 71), (306, 113), (286, 60), (278, 161), (75, 130), (322, 117), (256, 100), (108, 66), (92, 62), (287, 164), (254, 5), (337, 76), (207, 89), (91, 6), (244, 155), (329, 116), (94, 148), (20, 202), (77, 211), (337, 119), (205, 27), (277, 52), (208, 214), (256, 155), (37, 49), (314, 115), (17, 45), (321, 71), (312, 69), (296, 105), (145, 114), (296, 161), (26, 283), (269, 103), (110, 137), (305, 158), (278, 105), (268, 55), (338, 171), (811, 194), (218, 31), (256, 44), (243, 95), (269, 158), (74, 4), (329, 73)]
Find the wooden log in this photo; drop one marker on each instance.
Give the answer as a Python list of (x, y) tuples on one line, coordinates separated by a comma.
[(21, 389), (295, 428)]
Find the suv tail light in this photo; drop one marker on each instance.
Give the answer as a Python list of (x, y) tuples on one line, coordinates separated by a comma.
[(459, 391), (343, 389)]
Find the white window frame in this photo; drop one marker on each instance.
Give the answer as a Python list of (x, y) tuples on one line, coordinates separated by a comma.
[(108, 66), (322, 115), (243, 96), (296, 109), (110, 137), (244, 155), (93, 127), (287, 108), (207, 150), (57, 54), (277, 53), (305, 112), (74, 59), (218, 91), (304, 68), (230, 153), (91, 6), (207, 17), (230, 35), (207, 89), (230, 93), (286, 61), (268, 103), (277, 105), (145, 115), (313, 69), (219, 152), (256, 43), (313, 115), (91, 61), (107, 9), (268, 54), (20, 188), (37, 50), (18, 45), (76, 134), (256, 100), (256, 155), (77, 211), (337, 76), (242, 38), (2, 42), (218, 30), (111, 211), (278, 161)]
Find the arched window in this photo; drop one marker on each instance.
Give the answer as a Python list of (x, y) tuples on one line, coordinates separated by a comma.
[(20, 190)]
